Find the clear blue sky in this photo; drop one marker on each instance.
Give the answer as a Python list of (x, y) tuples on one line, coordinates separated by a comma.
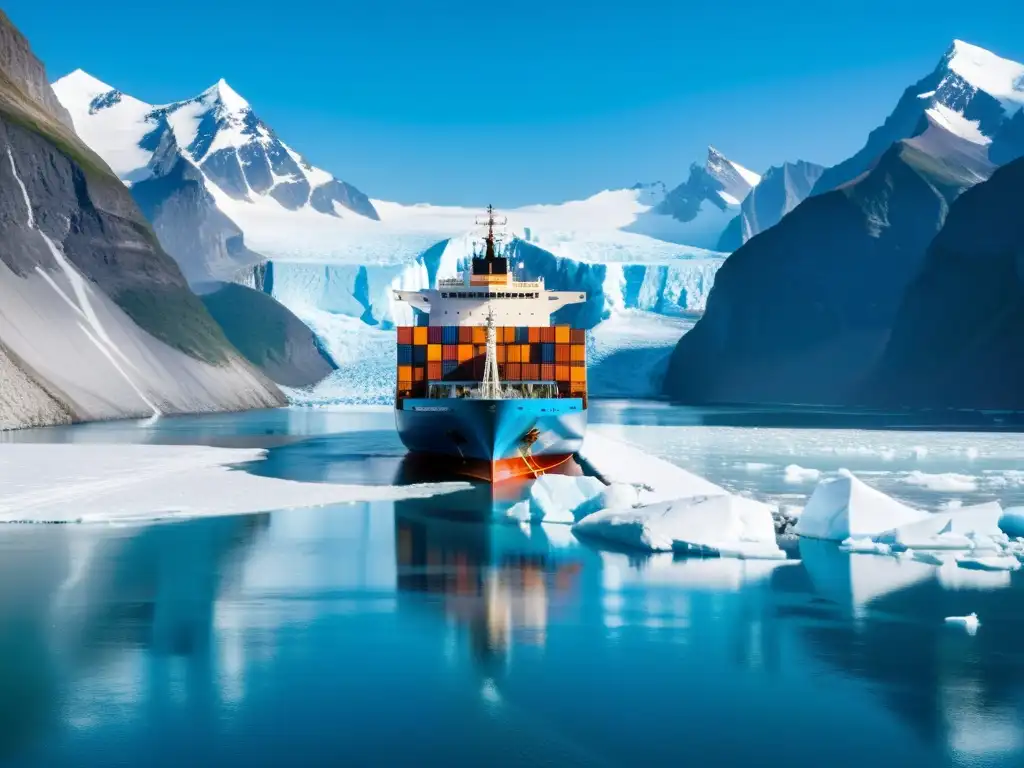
[(527, 101)]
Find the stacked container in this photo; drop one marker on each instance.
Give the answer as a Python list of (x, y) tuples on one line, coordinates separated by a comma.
[(525, 354)]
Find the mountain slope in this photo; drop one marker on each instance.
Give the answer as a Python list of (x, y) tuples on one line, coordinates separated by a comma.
[(974, 91), (802, 311), (958, 340), (781, 190), (98, 321)]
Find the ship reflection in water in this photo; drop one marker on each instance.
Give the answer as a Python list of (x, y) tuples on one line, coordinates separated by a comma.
[(404, 635)]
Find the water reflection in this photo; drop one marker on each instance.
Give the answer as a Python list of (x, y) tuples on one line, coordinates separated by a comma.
[(244, 637)]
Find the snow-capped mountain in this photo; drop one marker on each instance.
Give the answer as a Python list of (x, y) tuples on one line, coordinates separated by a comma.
[(706, 203), (218, 131), (782, 189), (972, 93)]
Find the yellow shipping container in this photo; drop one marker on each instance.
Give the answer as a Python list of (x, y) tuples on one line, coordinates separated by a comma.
[(465, 352), (577, 374), (419, 335), (561, 334), (433, 352), (524, 353), (579, 352), (513, 354)]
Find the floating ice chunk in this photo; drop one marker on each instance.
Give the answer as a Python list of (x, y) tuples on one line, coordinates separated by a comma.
[(731, 526), (619, 462), (555, 499), (932, 558), (970, 623), (866, 546), (845, 507), (961, 528), (1012, 521), (795, 474), (614, 496), (947, 481), (989, 562)]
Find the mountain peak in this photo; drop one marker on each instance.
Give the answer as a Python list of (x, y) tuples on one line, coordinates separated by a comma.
[(82, 82), (227, 96), (999, 77)]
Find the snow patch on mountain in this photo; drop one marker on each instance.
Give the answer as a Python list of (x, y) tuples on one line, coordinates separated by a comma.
[(998, 77)]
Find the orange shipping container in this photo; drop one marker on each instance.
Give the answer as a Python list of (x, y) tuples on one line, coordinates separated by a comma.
[(433, 352), (514, 372), (524, 352), (479, 334), (535, 334), (500, 352), (562, 354), (562, 372), (547, 372), (579, 352), (405, 334), (405, 373), (419, 335), (465, 352), (514, 353), (577, 375), (449, 351), (434, 371), (418, 373), (531, 372), (562, 334)]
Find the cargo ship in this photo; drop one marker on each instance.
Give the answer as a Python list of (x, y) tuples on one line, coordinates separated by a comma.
[(485, 381)]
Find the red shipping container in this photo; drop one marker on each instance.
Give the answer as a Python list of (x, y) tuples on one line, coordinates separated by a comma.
[(515, 372), (578, 336), (547, 335), (404, 334), (531, 372), (419, 373), (450, 352), (465, 334), (562, 353), (435, 334), (433, 371), (547, 372), (535, 334)]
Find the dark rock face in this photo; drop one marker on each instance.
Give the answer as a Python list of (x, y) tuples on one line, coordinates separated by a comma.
[(256, 167), (20, 66), (269, 335), (205, 243), (225, 171), (324, 197), (802, 311), (958, 339), (292, 195), (1008, 143), (683, 203)]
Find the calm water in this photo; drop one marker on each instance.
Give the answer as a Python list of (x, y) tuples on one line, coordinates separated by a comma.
[(400, 634)]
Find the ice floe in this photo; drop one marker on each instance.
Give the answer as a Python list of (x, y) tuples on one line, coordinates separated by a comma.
[(945, 481), (727, 525), (974, 527), (847, 508), (991, 562), (132, 483), (970, 623), (565, 499), (795, 474)]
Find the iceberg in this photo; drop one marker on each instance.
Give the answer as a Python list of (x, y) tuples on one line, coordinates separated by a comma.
[(556, 499), (726, 525), (1012, 522), (964, 528), (845, 507), (998, 562)]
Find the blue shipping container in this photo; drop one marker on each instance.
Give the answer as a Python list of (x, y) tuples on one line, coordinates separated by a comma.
[(451, 334), (448, 366), (419, 355), (522, 335), (547, 353), (405, 354)]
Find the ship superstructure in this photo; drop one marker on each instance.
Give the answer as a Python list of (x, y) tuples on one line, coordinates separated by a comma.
[(485, 377)]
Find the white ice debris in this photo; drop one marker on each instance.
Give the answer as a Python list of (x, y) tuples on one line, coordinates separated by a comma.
[(130, 483), (795, 474), (727, 525), (970, 623), (962, 528), (946, 481), (866, 546), (556, 499), (997, 562), (619, 462), (845, 507)]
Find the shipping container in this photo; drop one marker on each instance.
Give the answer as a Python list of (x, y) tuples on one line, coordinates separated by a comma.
[(449, 352), (578, 336), (465, 352), (419, 373), (451, 334), (577, 375), (523, 335), (562, 353), (514, 353), (405, 334), (433, 353), (479, 334), (419, 335), (526, 353), (547, 335), (465, 334), (404, 354), (405, 373), (419, 355), (531, 372), (562, 372), (578, 352), (534, 334), (435, 334), (434, 371), (547, 353), (547, 372), (447, 366), (562, 334), (515, 372), (501, 352)]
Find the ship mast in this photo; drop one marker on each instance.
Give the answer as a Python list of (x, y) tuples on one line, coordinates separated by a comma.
[(490, 387)]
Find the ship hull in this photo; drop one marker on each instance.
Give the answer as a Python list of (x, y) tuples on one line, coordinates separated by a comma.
[(494, 440)]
